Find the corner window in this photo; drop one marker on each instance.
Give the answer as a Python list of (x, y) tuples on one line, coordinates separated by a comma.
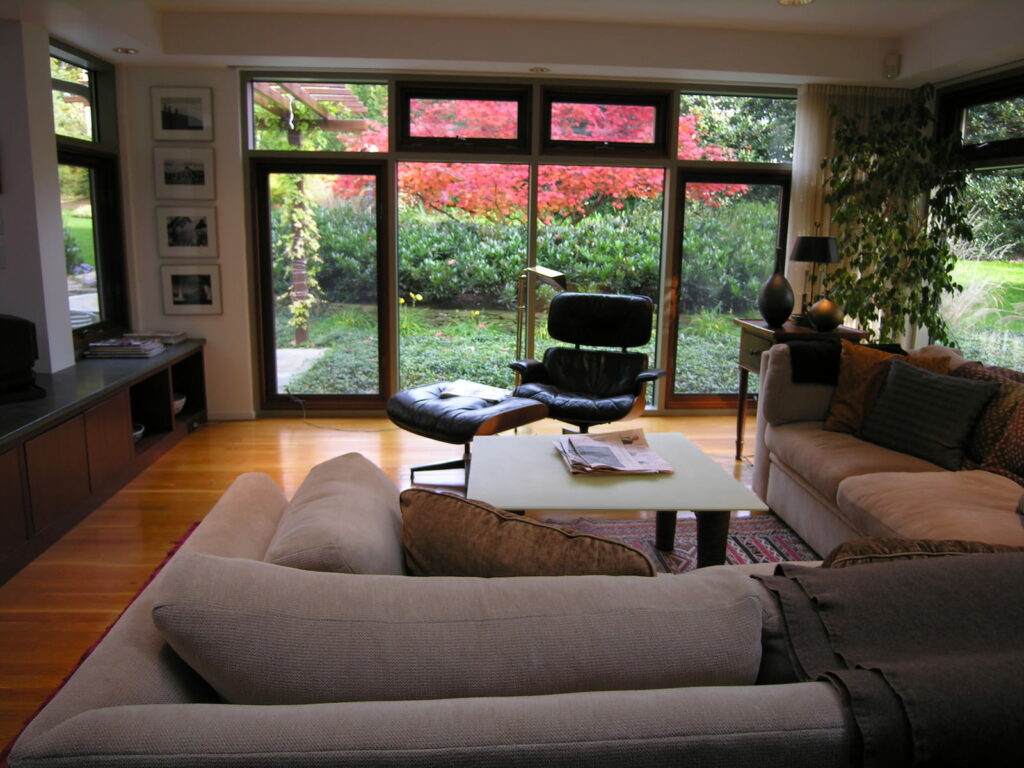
[(728, 128), (72, 100), (994, 121), (319, 116), (85, 126), (606, 122), (463, 118)]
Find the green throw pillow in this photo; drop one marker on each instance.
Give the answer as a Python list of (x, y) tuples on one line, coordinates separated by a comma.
[(926, 414)]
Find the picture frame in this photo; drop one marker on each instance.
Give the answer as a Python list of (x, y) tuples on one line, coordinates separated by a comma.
[(192, 289), (182, 114), (184, 173), (187, 232)]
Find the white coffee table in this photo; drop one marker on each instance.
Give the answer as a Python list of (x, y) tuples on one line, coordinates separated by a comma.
[(526, 473)]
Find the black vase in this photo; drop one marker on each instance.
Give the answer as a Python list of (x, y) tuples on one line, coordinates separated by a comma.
[(825, 315), (775, 301)]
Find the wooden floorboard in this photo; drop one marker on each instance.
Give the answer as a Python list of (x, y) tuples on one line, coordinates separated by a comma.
[(60, 604)]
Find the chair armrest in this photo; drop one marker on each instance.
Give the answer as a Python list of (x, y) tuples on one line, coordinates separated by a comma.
[(650, 375), (529, 370)]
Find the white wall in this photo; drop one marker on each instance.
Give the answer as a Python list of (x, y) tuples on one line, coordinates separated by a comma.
[(33, 282), (229, 351)]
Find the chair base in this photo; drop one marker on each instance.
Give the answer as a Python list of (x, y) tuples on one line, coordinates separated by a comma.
[(462, 464)]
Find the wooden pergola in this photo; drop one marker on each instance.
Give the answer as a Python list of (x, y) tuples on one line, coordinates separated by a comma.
[(279, 96)]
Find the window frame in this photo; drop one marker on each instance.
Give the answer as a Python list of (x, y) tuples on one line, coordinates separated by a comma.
[(659, 99), (405, 92), (260, 170), (100, 156), (722, 174), (952, 106)]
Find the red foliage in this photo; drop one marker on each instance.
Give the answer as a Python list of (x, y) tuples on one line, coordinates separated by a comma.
[(501, 190)]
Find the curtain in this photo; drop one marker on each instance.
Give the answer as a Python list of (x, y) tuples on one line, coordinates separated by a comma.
[(814, 142)]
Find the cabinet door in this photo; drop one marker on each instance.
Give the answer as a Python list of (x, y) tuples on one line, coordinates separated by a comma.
[(108, 438), (13, 530), (58, 472)]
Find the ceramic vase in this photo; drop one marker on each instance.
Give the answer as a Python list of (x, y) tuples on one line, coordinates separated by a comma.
[(775, 301), (824, 315)]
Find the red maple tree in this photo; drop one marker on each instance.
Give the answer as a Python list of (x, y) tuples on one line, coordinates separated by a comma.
[(500, 190)]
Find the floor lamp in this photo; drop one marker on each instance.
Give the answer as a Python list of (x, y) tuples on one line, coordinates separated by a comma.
[(544, 276)]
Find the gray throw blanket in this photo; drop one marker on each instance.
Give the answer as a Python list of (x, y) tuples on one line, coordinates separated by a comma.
[(928, 654)]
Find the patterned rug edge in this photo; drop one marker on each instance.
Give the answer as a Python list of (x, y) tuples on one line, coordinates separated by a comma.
[(755, 539)]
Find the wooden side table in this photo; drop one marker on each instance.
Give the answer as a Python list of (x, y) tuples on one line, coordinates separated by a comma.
[(755, 337)]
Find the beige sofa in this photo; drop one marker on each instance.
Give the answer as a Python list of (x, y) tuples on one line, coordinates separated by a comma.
[(832, 487), (281, 666)]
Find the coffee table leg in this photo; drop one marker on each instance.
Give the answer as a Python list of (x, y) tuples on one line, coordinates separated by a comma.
[(665, 530), (712, 535)]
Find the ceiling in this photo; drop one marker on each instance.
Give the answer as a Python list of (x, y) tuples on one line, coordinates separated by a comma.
[(728, 41), (890, 18)]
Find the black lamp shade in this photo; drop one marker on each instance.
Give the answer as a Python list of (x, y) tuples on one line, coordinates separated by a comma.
[(815, 249)]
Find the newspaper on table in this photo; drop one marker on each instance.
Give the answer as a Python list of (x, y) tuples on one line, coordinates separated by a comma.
[(611, 453), (464, 388)]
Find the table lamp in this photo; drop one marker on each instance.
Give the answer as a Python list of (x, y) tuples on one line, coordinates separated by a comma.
[(815, 250)]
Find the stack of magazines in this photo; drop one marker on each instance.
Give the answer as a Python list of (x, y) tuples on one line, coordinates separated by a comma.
[(164, 337), (611, 453), (124, 347)]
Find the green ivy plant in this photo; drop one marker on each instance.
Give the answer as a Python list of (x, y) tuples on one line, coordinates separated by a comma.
[(897, 199)]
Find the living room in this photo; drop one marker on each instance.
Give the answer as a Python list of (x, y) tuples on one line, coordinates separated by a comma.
[(221, 49)]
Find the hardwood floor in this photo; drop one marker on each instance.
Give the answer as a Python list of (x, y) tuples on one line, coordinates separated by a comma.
[(59, 605)]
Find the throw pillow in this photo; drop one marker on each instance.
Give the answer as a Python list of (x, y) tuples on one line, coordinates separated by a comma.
[(862, 372), (879, 549), (926, 414), (997, 414), (1008, 453), (344, 518), (263, 634), (447, 535)]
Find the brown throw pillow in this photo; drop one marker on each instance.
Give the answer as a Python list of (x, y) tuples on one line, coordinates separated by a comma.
[(862, 372), (447, 535), (878, 549)]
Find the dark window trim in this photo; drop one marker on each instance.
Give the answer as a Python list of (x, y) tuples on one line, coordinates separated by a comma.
[(101, 156), (660, 100), (260, 169), (109, 243), (953, 101), (103, 97), (707, 400), (406, 92)]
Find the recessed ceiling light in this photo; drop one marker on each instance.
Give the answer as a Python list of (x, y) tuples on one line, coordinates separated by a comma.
[(127, 51), (540, 70), (795, 2)]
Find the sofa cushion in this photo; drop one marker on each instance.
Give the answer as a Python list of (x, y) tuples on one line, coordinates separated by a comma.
[(344, 517), (998, 413), (263, 634), (790, 401), (824, 459), (862, 372), (926, 414), (447, 535), (878, 549), (971, 504)]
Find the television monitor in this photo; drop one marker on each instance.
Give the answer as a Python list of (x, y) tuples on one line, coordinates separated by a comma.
[(18, 353)]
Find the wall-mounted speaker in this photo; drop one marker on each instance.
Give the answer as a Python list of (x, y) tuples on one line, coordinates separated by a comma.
[(891, 66)]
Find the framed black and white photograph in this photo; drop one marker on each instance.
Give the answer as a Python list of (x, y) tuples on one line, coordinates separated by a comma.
[(182, 114), (191, 290), (182, 173), (188, 232)]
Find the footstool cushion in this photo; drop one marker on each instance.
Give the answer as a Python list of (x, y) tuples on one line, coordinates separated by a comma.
[(423, 411)]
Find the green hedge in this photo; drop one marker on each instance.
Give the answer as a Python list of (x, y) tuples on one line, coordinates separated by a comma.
[(449, 259)]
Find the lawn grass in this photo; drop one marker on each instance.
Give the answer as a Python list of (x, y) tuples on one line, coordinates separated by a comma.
[(447, 344), (81, 228), (1003, 307)]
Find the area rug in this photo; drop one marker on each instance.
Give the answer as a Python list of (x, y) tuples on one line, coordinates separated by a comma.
[(177, 545), (755, 539)]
